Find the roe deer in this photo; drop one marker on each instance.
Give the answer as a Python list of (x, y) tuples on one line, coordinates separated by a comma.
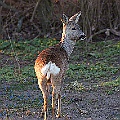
[(51, 64)]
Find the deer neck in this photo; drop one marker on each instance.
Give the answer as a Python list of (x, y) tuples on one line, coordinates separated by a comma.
[(67, 44)]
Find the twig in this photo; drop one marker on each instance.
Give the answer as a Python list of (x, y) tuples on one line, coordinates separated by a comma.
[(16, 58), (81, 111), (1, 27), (37, 28), (99, 32), (113, 31), (34, 11)]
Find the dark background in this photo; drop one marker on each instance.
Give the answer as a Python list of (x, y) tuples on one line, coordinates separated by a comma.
[(28, 19)]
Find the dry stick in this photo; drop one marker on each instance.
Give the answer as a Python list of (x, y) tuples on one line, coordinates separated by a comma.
[(101, 31), (113, 31), (37, 28), (16, 58), (81, 111), (34, 11), (1, 27)]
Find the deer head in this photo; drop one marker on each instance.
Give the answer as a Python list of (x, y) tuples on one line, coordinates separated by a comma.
[(71, 29)]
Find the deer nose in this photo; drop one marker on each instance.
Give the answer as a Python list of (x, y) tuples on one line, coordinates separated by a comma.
[(82, 37)]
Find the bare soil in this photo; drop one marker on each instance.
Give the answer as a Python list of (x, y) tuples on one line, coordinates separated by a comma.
[(92, 104)]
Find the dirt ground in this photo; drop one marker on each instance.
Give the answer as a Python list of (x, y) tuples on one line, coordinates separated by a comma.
[(92, 104)]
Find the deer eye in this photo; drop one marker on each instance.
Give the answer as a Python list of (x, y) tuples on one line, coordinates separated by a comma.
[(73, 28)]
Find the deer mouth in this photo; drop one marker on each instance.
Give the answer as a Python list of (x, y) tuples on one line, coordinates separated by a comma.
[(82, 37)]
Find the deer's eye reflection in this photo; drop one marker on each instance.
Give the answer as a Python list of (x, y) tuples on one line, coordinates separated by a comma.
[(74, 28)]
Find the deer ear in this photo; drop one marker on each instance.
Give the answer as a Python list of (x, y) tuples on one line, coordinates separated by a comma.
[(75, 17), (64, 19)]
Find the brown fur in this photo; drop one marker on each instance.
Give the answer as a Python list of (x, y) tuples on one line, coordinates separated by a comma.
[(52, 54), (59, 55)]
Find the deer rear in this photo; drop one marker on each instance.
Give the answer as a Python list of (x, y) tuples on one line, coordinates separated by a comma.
[(52, 63)]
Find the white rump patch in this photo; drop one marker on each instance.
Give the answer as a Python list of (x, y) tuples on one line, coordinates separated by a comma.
[(50, 68)]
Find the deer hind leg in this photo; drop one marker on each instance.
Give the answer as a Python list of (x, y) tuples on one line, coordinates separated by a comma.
[(59, 105), (53, 103), (56, 93), (43, 86)]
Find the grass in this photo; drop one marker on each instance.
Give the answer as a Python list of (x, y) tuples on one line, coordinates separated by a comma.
[(93, 71), (97, 63), (100, 61), (92, 63), (20, 52), (27, 50)]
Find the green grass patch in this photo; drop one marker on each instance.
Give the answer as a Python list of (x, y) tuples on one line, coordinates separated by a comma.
[(111, 86), (10, 73), (22, 51), (99, 59), (113, 83), (25, 50), (97, 62), (95, 71)]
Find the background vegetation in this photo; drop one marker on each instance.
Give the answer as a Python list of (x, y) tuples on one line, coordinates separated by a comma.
[(29, 26), (28, 19)]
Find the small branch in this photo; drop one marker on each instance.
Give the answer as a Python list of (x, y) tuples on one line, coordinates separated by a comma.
[(37, 28), (34, 11), (113, 31), (1, 26), (99, 32), (81, 111)]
